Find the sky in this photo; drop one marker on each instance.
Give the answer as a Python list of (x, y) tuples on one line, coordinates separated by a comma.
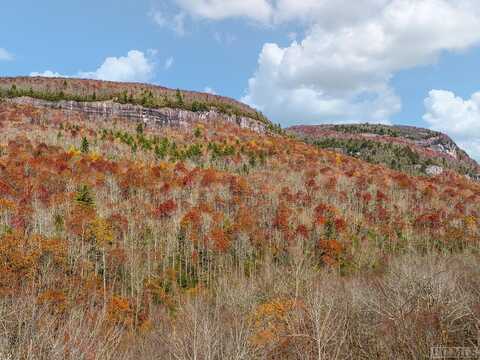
[(412, 62)]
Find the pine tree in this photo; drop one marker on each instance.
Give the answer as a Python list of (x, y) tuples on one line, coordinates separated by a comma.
[(85, 147), (140, 128), (84, 197), (180, 101)]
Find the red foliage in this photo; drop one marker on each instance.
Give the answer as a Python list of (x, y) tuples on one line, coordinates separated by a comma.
[(325, 210), (302, 231), (366, 198), (165, 209), (430, 220), (5, 189), (340, 224), (381, 196), (282, 218)]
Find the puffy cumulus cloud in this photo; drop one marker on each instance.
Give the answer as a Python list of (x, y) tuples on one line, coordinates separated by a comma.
[(290, 99), (342, 73), (136, 66), (260, 10), (457, 117), (5, 55)]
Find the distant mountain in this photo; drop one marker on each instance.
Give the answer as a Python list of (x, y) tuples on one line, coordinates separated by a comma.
[(406, 148)]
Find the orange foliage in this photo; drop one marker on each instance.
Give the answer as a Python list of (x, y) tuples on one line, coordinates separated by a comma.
[(120, 311), (220, 239), (55, 299), (269, 321), (332, 250), (210, 177)]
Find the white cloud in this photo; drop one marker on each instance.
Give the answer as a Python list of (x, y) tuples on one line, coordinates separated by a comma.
[(341, 72), (209, 90), (174, 22), (326, 12), (169, 63), (278, 11), (342, 68), (5, 55), (457, 117), (135, 67), (290, 97), (260, 10), (47, 73)]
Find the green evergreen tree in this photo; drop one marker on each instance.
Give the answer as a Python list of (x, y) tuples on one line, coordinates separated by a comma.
[(140, 128), (84, 197), (179, 96), (197, 132), (85, 147)]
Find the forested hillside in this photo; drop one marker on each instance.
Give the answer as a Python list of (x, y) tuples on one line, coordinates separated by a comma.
[(125, 241), (410, 149)]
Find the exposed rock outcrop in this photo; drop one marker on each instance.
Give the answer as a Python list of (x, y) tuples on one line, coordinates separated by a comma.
[(434, 170), (406, 148), (151, 117)]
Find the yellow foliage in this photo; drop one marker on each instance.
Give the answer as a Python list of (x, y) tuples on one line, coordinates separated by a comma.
[(94, 156), (6, 205), (253, 144), (470, 222), (101, 231), (338, 159), (73, 151)]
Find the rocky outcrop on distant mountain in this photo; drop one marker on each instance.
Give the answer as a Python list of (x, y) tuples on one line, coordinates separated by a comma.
[(406, 148), (149, 116)]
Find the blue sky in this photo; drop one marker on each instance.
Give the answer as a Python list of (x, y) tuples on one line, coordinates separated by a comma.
[(299, 61)]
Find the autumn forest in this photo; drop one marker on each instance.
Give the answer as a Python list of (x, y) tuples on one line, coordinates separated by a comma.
[(122, 240)]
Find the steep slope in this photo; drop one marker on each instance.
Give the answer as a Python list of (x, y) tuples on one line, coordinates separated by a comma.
[(121, 241), (406, 148), (151, 104)]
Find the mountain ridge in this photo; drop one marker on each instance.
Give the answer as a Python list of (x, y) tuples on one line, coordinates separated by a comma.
[(401, 147), (146, 95), (411, 149)]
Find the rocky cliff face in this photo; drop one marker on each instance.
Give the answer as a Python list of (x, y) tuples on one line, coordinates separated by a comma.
[(150, 117), (108, 90)]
